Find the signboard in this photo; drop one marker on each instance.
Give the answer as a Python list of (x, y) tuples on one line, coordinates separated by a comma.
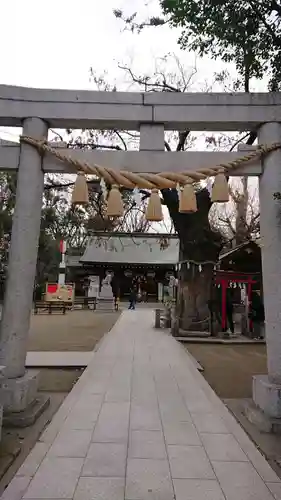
[(57, 292)]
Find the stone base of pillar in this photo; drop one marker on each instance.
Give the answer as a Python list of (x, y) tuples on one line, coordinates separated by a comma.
[(260, 420), (105, 304), (267, 396), (28, 416), (18, 393), (21, 402), (265, 409)]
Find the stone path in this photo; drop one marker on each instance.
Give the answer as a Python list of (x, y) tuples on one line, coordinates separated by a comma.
[(143, 424)]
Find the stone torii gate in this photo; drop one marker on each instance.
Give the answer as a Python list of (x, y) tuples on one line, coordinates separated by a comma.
[(151, 113)]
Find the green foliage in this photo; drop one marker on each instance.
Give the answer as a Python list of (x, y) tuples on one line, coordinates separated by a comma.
[(246, 32), (133, 25), (7, 200)]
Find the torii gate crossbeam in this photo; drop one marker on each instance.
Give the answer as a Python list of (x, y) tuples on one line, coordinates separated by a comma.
[(128, 110), (135, 161)]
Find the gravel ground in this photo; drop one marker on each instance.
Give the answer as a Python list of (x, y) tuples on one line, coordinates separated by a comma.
[(75, 331)]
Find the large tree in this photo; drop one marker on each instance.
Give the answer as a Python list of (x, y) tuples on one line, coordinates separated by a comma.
[(201, 240), (248, 34), (245, 32)]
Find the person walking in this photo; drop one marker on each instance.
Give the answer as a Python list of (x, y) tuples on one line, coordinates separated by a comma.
[(132, 298), (257, 315), (229, 311)]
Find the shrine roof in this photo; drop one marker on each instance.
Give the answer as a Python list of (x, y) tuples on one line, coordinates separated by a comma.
[(151, 249), (242, 246)]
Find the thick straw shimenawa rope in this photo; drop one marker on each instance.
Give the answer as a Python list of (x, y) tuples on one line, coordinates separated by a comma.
[(146, 180)]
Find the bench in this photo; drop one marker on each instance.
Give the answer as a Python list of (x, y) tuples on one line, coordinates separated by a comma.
[(50, 306), (86, 302)]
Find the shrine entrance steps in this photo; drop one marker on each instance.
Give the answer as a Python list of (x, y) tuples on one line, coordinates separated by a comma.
[(143, 424)]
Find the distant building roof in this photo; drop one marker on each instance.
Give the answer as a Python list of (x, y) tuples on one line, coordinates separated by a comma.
[(236, 249), (243, 258), (141, 249)]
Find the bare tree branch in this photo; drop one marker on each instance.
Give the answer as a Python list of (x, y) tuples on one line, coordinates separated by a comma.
[(92, 145), (276, 6), (241, 139), (182, 139), (132, 25), (147, 84), (121, 139)]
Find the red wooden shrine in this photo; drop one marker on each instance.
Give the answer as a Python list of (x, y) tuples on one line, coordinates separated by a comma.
[(224, 278)]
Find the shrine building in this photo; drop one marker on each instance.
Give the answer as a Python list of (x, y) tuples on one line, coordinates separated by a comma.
[(148, 259), (240, 269)]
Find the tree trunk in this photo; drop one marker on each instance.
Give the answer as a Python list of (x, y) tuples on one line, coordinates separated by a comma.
[(241, 202), (199, 246), (194, 294)]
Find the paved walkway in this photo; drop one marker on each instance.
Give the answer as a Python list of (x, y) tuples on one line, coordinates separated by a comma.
[(142, 424)]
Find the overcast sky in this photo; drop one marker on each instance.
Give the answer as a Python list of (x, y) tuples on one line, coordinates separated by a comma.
[(54, 43)]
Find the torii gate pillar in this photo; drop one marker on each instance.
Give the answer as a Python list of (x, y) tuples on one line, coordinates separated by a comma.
[(21, 385), (267, 389)]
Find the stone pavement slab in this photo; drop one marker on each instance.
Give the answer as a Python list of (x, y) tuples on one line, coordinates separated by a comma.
[(143, 424)]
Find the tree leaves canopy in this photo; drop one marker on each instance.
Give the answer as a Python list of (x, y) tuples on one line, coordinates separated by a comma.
[(246, 32)]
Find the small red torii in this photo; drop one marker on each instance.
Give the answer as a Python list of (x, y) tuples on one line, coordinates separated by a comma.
[(223, 278)]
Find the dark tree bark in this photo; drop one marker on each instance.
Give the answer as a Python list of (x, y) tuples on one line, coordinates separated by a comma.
[(199, 244)]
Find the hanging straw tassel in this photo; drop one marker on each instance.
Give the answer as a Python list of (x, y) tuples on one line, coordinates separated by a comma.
[(220, 191), (115, 206), (154, 207), (187, 200), (80, 194)]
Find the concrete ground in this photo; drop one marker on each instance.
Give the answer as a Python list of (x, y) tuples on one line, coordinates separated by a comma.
[(143, 424)]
